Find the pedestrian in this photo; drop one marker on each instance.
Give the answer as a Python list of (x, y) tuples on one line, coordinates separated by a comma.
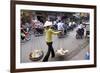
[(87, 55), (48, 36), (80, 31), (60, 26)]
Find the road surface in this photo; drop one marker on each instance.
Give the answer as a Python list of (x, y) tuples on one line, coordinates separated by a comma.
[(77, 47)]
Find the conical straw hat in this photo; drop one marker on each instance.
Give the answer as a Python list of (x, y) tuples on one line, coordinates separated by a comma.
[(47, 23)]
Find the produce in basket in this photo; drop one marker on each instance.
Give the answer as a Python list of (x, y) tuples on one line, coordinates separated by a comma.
[(61, 52), (36, 55)]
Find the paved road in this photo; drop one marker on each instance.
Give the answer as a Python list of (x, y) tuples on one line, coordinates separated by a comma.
[(77, 48)]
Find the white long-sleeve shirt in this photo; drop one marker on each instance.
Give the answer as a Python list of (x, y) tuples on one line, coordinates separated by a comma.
[(60, 26)]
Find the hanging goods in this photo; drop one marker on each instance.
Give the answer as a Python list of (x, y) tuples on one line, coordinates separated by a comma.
[(61, 51), (37, 53)]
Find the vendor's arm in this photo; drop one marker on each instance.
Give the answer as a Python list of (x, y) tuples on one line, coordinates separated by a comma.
[(54, 32)]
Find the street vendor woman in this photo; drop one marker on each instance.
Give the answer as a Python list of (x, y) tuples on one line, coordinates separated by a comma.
[(48, 36)]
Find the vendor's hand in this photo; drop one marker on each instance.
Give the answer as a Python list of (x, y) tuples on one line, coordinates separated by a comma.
[(60, 32)]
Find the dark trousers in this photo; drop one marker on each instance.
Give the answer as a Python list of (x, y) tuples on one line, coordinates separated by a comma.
[(50, 50)]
